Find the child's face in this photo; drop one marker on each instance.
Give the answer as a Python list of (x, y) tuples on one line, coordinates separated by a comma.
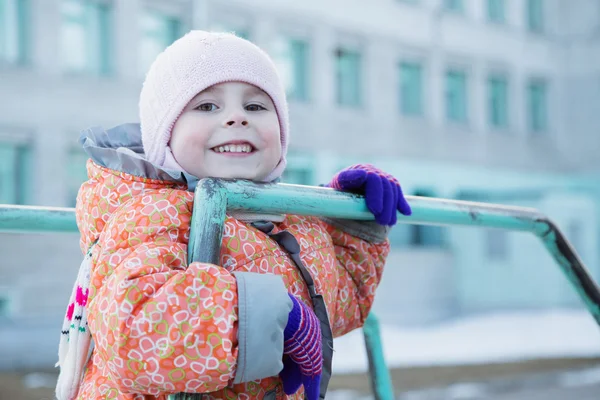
[(229, 130)]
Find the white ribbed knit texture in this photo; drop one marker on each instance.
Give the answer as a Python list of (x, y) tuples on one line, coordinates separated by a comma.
[(75, 338), (193, 63)]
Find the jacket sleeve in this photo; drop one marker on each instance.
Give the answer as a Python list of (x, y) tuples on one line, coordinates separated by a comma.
[(162, 326), (361, 249)]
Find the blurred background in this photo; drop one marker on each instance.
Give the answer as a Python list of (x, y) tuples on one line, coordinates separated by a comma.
[(485, 100)]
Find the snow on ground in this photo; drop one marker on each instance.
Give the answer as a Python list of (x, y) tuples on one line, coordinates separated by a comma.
[(589, 376), (485, 339), (36, 380)]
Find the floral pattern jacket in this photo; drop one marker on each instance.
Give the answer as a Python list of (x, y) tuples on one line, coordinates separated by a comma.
[(161, 325)]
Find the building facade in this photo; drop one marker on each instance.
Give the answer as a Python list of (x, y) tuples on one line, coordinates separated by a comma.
[(488, 100)]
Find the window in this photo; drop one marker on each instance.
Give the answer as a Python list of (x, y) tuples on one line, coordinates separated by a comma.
[(85, 36), (238, 29), (292, 59), (537, 103), (5, 309), (411, 89), (498, 101), (454, 5), (496, 244), (158, 32), (496, 10), (298, 176), (13, 31), (76, 174), (426, 235), (456, 96), (15, 173), (300, 169), (348, 77), (409, 1), (535, 15)]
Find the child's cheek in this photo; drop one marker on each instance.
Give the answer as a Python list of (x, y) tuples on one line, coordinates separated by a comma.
[(275, 141)]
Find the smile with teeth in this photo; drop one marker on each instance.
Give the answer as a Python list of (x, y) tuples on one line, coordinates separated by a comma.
[(234, 148)]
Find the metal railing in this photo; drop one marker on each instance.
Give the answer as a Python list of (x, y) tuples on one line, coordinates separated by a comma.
[(214, 197)]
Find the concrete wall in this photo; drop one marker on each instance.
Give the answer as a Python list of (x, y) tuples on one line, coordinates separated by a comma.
[(417, 288)]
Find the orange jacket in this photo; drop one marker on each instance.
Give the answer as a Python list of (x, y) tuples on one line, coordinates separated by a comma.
[(162, 326)]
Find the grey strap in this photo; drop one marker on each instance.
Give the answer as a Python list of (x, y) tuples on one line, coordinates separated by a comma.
[(289, 243)]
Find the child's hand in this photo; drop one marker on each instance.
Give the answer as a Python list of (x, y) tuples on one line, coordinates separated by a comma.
[(382, 191), (302, 346)]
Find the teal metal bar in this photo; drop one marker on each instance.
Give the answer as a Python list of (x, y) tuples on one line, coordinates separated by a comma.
[(381, 381), (207, 222), (29, 219), (302, 200), (325, 202), (213, 197)]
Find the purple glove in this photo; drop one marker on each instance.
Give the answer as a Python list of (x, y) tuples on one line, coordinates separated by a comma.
[(382, 191), (303, 357)]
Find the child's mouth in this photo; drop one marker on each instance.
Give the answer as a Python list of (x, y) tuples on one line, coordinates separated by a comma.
[(234, 149)]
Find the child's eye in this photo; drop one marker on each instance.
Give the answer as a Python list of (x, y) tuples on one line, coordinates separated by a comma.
[(207, 107), (255, 107)]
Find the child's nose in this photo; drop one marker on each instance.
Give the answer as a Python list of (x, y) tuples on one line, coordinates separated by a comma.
[(237, 119)]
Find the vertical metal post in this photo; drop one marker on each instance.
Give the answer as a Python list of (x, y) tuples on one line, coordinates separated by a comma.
[(208, 217), (381, 382), (206, 234)]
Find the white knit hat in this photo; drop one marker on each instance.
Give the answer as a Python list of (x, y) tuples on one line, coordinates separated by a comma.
[(193, 63)]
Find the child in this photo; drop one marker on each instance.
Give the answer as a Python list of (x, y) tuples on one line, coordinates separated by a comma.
[(260, 324)]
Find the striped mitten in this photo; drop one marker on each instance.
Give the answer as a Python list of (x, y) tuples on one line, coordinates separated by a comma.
[(303, 357)]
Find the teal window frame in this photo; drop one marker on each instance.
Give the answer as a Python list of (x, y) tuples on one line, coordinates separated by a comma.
[(169, 28), (244, 33), (6, 306), (14, 31), (15, 173), (496, 11), (348, 68), (300, 169), (455, 6), (240, 31), (535, 15), (292, 56), (537, 102), (456, 96), (95, 23), (498, 107), (427, 235), (298, 175), (411, 88), (300, 51), (76, 172)]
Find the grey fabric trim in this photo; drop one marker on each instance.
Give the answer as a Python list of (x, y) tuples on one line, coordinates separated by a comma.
[(367, 230), (263, 307), (120, 148)]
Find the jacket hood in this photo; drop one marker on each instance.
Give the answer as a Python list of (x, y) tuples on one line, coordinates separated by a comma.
[(120, 149)]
